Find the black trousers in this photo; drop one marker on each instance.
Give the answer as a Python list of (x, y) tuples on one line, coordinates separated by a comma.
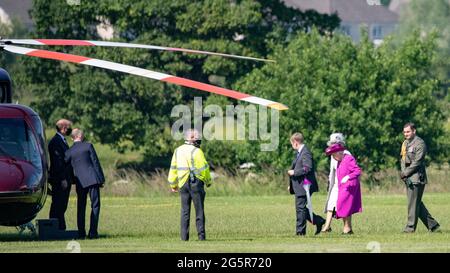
[(60, 200), (193, 191), (94, 196), (303, 215), (416, 209)]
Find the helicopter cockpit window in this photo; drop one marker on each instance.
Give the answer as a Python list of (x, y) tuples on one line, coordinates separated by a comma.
[(17, 141)]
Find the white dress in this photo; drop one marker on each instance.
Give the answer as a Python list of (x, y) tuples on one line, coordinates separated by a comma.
[(332, 200)]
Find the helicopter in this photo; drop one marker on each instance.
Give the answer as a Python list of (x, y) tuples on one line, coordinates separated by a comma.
[(23, 160), (23, 153)]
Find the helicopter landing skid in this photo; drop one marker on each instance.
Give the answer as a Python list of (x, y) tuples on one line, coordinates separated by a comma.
[(26, 226)]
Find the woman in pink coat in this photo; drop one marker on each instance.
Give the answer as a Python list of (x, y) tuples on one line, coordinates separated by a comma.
[(349, 189)]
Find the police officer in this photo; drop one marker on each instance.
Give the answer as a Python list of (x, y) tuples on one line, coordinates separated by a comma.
[(414, 175), (189, 173)]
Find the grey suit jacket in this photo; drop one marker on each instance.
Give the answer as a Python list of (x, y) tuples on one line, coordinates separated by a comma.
[(303, 166)]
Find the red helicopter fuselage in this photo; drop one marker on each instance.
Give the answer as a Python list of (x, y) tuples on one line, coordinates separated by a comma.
[(23, 165), (23, 162)]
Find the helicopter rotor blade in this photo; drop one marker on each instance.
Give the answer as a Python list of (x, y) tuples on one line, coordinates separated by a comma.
[(143, 73), (63, 42)]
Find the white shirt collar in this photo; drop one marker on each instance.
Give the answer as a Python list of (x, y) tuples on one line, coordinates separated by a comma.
[(301, 147), (63, 138)]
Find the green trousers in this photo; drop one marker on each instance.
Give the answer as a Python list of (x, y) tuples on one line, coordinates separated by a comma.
[(416, 209)]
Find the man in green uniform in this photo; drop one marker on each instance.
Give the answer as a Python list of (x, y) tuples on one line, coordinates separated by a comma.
[(415, 177)]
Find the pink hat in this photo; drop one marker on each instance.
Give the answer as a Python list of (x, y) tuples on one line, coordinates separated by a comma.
[(334, 149)]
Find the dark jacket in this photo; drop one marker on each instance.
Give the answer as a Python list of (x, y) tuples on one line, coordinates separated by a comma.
[(86, 166), (303, 166), (59, 169)]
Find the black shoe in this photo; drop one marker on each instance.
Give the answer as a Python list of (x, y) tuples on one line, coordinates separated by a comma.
[(319, 227), (93, 236), (408, 231), (436, 228), (348, 232), (300, 234), (327, 230)]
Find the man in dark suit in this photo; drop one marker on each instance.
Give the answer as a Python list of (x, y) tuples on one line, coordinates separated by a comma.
[(88, 175), (60, 172), (301, 173)]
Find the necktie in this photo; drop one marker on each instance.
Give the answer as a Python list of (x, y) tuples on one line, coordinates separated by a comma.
[(403, 150)]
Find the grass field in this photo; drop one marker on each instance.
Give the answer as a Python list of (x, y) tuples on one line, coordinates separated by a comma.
[(244, 224)]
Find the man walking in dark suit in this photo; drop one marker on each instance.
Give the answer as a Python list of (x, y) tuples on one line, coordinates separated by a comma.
[(60, 172), (88, 175), (302, 173)]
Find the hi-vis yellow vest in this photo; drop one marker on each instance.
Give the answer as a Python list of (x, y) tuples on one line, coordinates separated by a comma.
[(186, 160)]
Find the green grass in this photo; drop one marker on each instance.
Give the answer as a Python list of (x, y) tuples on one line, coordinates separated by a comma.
[(244, 224)]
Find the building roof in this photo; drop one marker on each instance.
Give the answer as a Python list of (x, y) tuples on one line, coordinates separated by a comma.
[(18, 9), (350, 11)]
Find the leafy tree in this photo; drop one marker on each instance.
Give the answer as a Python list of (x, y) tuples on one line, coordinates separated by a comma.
[(367, 93), (129, 112), (428, 17)]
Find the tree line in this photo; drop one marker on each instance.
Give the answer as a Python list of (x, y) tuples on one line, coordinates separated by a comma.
[(329, 82)]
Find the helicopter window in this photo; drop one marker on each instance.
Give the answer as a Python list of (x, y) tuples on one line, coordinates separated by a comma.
[(17, 141), (37, 124), (2, 93)]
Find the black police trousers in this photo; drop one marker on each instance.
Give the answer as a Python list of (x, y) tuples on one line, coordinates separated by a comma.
[(193, 190)]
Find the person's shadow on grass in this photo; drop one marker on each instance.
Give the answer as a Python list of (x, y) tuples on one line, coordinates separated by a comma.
[(30, 237)]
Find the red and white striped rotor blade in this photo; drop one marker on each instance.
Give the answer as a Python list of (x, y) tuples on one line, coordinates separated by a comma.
[(63, 42), (144, 73)]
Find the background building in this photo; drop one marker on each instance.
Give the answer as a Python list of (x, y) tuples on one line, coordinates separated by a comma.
[(354, 14)]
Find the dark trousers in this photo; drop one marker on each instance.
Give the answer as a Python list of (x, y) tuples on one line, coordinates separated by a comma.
[(94, 196), (60, 200), (193, 191), (416, 209), (303, 215)]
